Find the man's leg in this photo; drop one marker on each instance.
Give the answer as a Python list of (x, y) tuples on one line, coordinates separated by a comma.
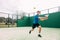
[(34, 25), (39, 29), (31, 31)]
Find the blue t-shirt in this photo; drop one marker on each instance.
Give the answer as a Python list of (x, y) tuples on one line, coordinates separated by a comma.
[(36, 19)]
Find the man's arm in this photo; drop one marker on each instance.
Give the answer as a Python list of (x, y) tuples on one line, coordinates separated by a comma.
[(43, 18)]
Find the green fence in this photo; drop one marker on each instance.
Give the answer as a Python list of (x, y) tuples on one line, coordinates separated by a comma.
[(53, 21), (26, 21)]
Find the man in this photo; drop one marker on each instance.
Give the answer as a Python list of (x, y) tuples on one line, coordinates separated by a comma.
[(36, 23)]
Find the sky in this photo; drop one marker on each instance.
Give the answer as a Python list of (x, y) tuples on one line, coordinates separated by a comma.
[(13, 6), (27, 5)]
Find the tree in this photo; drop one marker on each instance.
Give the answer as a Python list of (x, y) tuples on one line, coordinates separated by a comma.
[(2, 19)]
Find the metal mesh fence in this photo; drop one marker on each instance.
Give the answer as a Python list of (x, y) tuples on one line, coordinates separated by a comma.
[(13, 20), (7, 20)]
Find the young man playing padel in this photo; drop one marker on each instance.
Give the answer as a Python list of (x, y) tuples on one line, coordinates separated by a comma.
[(36, 23)]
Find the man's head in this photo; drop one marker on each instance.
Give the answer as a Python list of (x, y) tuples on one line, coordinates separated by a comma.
[(38, 12)]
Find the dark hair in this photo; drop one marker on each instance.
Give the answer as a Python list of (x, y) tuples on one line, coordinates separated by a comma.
[(39, 11)]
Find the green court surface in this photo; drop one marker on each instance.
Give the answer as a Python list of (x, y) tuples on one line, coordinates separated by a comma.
[(22, 33)]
